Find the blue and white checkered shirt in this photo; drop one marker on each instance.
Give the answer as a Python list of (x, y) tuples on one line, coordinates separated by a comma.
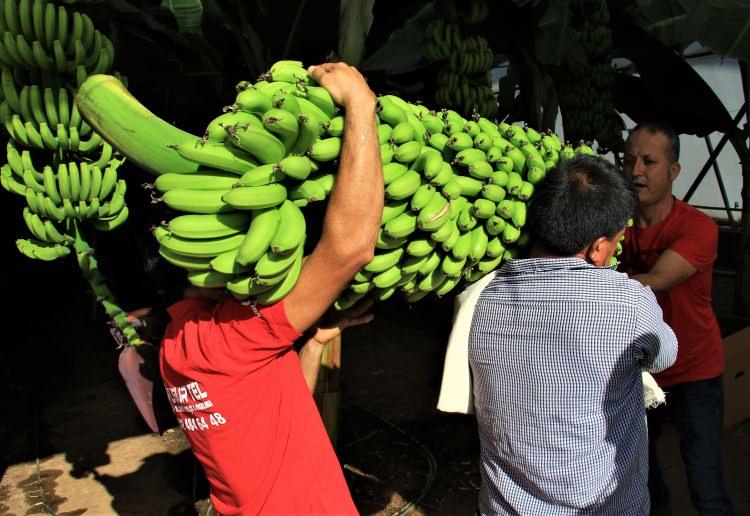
[(556, 351)]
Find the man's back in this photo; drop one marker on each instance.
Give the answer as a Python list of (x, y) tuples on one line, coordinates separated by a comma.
[(236, 387), (556, 352)]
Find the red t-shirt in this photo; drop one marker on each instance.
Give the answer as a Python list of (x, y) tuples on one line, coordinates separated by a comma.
[(237, 389), (687, 307)]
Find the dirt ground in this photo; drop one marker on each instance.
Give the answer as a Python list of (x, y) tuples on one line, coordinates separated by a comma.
[(97, 457)]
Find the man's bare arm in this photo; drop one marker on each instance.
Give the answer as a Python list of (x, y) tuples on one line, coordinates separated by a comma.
[(670, 270), (352, 220)]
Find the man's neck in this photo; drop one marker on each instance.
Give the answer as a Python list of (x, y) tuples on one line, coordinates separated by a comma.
[(539, 251), (655, 213)]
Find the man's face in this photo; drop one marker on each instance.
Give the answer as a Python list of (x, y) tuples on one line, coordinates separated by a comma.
[(648, 162)]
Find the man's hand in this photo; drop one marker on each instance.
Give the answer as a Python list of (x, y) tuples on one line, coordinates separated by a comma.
[(311, 353), (345, 84), (338, 322)]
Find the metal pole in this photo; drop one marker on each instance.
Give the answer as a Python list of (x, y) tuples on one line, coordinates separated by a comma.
[(713, 156), (721, 183)]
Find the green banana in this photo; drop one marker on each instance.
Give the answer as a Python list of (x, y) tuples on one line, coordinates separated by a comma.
[(384, 261), (254, 197), (283, 124), (260, 176), (392, 209), (263, 227), (272, 264), (494, 225), (291, 229), (407, 152), (208, 279), (139, 134), (469, 186), (310, 129), (325, 149), (422, 196), (196, 201), (278, 292), (484, 208), (296, 167), (393, 171), (420, 247), (431, 263), (214, 155), (387, 242), (401, 226), (201, 180), (254, 101), (434, 214), (308, 190), (259, 143), (452, 267), (214, 225), (466, 218), (404, 186), (388, 278)]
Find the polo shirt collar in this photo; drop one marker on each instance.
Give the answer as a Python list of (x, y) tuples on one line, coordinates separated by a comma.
[(532, 265)]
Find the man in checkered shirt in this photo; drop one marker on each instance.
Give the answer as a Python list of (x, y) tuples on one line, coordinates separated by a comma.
[(557, 345)]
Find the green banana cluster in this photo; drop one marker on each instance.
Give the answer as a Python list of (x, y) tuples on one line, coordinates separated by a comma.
[(65, 171), (585, 91), (464, 82), (457, 192), (44, 51)]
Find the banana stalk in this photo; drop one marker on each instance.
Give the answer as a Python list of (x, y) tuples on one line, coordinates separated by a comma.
[(129, 127), (90, 272)]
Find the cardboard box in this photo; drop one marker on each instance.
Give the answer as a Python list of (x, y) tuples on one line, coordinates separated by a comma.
[(737, 378)]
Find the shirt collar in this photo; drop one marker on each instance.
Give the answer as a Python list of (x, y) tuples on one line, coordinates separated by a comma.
[(532, 265)]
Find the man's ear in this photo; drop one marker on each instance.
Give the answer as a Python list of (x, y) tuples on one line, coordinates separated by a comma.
[(598, 251), (674, 170)]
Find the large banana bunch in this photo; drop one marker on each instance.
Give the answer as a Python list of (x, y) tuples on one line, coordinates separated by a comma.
[(456, 191), (464, 82), (585, 91), (64, 170)]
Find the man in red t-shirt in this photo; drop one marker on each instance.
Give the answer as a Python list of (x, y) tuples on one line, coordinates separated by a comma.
[(671, 248), (237, 387)]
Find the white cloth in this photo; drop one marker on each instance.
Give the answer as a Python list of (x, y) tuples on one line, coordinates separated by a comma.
[(456, 388)]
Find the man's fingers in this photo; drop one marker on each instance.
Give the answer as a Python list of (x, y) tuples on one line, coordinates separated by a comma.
[(316, 72), (361, 308), (356, 321)]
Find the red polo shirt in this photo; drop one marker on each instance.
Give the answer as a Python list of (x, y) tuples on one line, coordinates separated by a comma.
[(237, 389), (687, 307)]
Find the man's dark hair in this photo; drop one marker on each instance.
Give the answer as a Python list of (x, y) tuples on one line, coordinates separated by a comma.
[(579, 201), (673, 139)]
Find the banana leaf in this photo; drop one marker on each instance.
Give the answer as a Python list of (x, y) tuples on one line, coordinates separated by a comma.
[(188, 14), (721, 25), (402, 52), (191, 54), (666, 88), (555, 40), (355, 20)]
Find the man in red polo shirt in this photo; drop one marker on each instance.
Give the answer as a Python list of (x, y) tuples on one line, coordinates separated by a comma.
[(671, 247), (234, 381)]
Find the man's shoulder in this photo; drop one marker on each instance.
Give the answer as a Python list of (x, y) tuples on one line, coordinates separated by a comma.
[(690, 217), (600, 283)]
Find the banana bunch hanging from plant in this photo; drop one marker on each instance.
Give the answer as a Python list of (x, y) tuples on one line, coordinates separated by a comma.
[(464, 83), (64, 170)]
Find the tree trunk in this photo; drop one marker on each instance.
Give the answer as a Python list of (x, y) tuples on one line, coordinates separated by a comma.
[(328, 389)]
